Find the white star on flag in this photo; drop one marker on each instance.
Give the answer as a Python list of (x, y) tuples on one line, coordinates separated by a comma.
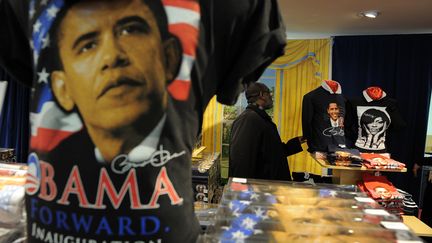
[(231, 205), (258, 231), (261, 213), (239, 235), (52, 11), (248, 223), (333, 193), (43, 76), (36, 26), (254, 196), (46, 42), (236, 213)]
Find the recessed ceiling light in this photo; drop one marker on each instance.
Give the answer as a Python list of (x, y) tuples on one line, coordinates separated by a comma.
[(370, 14)]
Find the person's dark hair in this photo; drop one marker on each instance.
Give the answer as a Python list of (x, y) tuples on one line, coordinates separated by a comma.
[(370, 115), (53, 51), (254, 90), (332, 102)]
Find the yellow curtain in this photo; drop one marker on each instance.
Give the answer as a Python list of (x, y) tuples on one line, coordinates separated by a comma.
[(212, 126), (305, 64)]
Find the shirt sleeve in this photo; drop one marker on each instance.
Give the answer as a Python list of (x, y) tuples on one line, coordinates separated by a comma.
[(397, 122), (293, 146), (15, 54), (249, 35)]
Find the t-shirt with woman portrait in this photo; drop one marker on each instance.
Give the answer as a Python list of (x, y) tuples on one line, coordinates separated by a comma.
[(369, 119)]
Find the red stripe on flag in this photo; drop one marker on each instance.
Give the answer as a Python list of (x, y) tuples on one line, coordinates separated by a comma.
[(31, 180), (188, 36), (179, 89), (31, 189), (187, 4), (31, 176), (47, 139)]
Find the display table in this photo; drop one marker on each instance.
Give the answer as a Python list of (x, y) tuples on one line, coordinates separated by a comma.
[(253, 210), (417, 226), (345, 174)]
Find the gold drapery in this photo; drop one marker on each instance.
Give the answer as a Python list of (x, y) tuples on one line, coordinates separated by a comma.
[(301, 69), (212, 126)]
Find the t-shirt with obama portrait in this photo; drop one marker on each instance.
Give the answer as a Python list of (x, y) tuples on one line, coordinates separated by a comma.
[(118, 93)]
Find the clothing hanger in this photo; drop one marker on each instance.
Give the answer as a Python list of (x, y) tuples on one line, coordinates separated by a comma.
[(332, 84), (374, 92)]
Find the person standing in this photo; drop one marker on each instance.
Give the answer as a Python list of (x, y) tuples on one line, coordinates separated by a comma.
[(256, 149)]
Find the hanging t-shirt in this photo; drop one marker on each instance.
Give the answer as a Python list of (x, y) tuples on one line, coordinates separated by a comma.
[(119, 90), (369, 120), (323, 115)]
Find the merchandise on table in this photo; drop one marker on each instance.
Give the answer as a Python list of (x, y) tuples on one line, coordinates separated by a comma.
[(206, 177), (378, 161), (409, 207), (378, 187), (12, 180), (7, 155), (205, 213), (300, 236), (353, 158), (269, 211), (344, 156), (394, 200)]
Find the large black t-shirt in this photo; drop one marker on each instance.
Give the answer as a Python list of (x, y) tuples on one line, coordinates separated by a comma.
[(323, 112), (118, 93)]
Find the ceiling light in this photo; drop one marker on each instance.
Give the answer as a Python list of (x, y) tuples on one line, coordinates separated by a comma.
[(370, 14)]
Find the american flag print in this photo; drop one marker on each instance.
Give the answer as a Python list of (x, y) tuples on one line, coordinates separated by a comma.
[(50, 125)]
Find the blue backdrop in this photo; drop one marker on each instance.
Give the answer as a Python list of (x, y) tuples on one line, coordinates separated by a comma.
[(401, 65), (14, 120)]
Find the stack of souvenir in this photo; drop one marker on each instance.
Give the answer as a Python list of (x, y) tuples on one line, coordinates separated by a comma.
[(12, 181), (205, 213), (353, 158), (382, 191), (380, 161), (409, 206), (268, 211), (7, 155), (344, 157), (205, 176)]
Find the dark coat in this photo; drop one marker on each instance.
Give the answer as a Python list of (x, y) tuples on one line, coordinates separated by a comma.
[(256, 149)]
